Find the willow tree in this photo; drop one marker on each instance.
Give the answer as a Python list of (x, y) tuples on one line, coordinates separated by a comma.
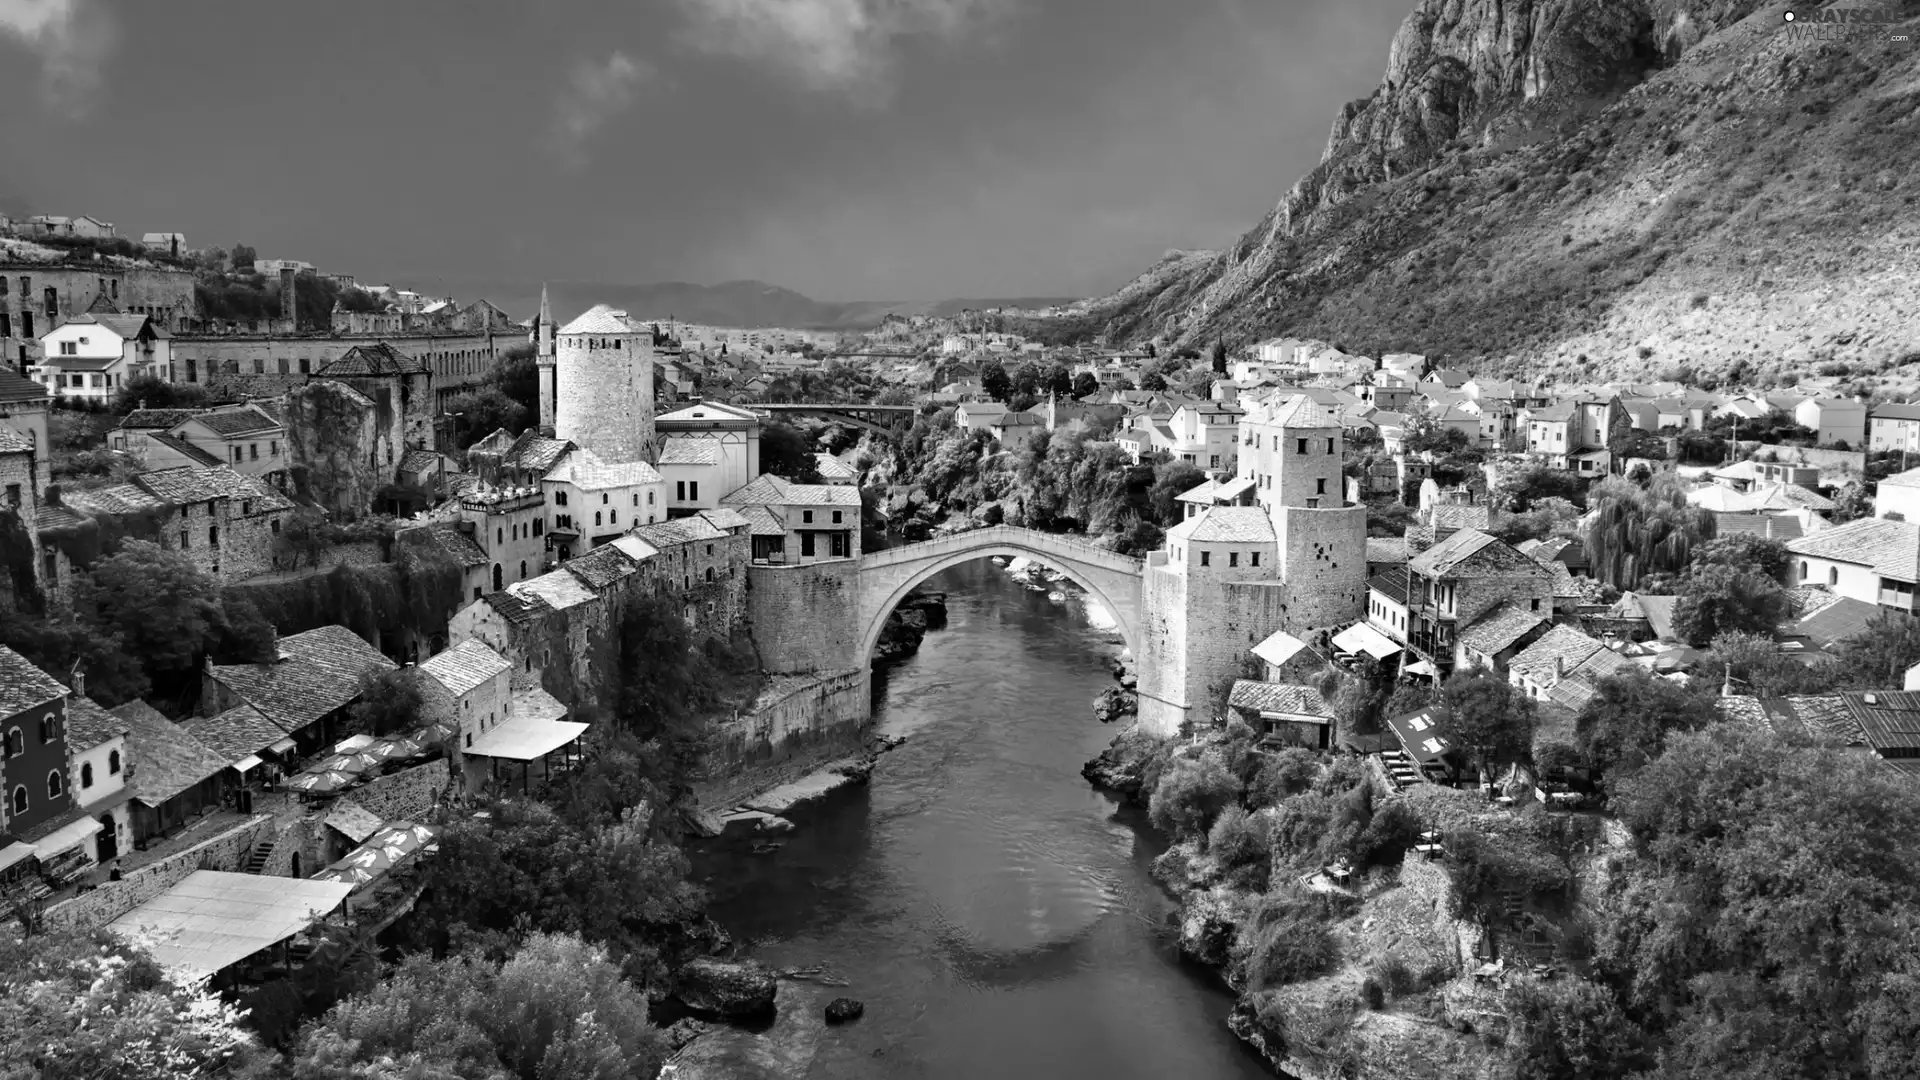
[(1633, 531)]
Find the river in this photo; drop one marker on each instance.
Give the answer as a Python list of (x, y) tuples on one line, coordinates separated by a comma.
[(991, 909)]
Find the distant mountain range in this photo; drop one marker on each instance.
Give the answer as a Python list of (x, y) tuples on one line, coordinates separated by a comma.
[(733, 303)]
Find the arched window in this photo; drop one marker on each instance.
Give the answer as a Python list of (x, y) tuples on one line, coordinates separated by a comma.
[(613, 517), (1833, 575), (54, 784), (113, 763), (86, 774), (20, 800), (523, 568), (499, 536), (1805, 570), (596, 517), (498, 581), (709, 573), (49, 728), (16, 742)]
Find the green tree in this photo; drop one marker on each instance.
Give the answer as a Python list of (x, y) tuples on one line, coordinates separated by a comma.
[(164, 611), (390, 703), (1630, 717), (1488, 718), (1084, 384), (1571, 1029), (1762, 929), (1153, 380), (1717, 598), (1190, 794), (786, 453), (1880, 654), (994, 380), (1170, 481), (1744, 551), (1633, 531), (243, 258), (1219, 357), (150, 392), (479, 413), (1756, 665)]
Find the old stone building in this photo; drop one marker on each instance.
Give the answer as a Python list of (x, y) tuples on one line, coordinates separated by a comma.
[(603, 385), (399, 384), (343, 446), (225, 522), (265, 365), (24, 410), (1232, 575), (1471, 600), (35, 297), (707, 451)]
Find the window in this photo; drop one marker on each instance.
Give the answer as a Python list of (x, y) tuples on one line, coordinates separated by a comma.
[(613, 517), (537, 526), (113, 763), (806, 544), (679, 491), (1256, 558), (523, 569), (114, 288), (1833, 575), (560, 498), (280, 365), (86, 774), (636, 498), (499, 535), (1806, 571), (709, 549), (213, 536), (836, 517), (1206, 558), (1320, 486), (13, 495), (26, 322), (693, 490), (6, 322), (236, 455), (498, 578), (55, 785), (649, 498), (709, 573), (183, 540), (1313, 504), (1301, 446), (596, 517), (603, 498), (49, 728), (69, 348), (253, 451), (1329, 446), (259, 365), (20, 800), (1536, 603), (806, 517), (1213, 460), (1233, 558)]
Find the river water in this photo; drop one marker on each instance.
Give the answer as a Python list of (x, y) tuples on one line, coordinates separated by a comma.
[(991, 909)]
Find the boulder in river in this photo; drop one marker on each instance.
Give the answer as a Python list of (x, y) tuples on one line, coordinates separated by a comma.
[(683, 1031), (733, 988), (844, 1010), (1114, 703)]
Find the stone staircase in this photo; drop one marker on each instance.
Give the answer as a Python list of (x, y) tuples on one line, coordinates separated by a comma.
[(1400, 768), (258, 857)]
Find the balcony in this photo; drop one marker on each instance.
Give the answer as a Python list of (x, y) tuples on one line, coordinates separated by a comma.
[(1900, 599)]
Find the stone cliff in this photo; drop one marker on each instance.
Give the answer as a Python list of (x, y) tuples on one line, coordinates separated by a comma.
[(1648, 182)]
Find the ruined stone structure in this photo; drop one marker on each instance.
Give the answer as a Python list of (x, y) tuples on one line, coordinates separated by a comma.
[(263, 365), (603, 385), (36, 297)]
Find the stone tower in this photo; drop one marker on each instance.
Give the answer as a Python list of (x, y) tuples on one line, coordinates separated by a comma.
[(1231, 575), (543, 360), (603, 385)]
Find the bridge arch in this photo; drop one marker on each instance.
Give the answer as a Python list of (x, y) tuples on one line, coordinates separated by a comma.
[(886, 577)]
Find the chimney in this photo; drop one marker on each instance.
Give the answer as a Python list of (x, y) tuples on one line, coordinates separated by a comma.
[(288, 310), (1559, 668), (273, 643), (78, 681)]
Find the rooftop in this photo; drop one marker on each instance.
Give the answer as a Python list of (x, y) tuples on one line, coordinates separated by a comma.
[(318, 671), (235, 734), (771, 490), (1892, 548), (24, 686), (1264, 697), (1497, 630), (215, 919), (1226, 525), (89, 725), (465, 666), (600, 319), (167, 758), (1391, 584), (690, 452)]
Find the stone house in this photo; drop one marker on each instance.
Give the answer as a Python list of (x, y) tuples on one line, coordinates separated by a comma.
[(813, 521), (509, 524), (467, 684), (456, 540), (1563, 667), (401, 386), (176, 777), (306, 691), (1455, 584), (246, 437), (1284, 715), (509, 461), (98, 749), (224, 521), (24, 409), (593, 502)]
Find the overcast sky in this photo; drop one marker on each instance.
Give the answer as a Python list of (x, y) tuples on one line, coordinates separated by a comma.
[(848, 149)]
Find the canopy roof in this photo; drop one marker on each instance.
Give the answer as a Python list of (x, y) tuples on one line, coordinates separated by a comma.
[(525, 739), (215, 919)]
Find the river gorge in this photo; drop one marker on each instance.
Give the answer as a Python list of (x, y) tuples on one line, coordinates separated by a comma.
[(993, 911)]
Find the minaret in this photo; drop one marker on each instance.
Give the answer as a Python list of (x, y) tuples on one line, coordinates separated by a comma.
[(543, 359)]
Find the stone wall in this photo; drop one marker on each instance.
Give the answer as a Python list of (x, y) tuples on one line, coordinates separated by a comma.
[(806, 618), (1324, 553), (334, 436), (1162, 659), (226, 851), (264, 365), (604, 393), (799, 723), (163, 293), (406, 795)]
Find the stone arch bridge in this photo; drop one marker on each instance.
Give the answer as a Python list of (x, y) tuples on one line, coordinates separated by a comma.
[(886, 577), (878, 418)]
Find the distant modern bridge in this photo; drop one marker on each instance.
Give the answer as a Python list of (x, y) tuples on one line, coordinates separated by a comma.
[(879, 418), (886, 577)]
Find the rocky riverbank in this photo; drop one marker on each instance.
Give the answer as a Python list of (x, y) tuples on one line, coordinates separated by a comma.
[(1388, 990), (908, 624)]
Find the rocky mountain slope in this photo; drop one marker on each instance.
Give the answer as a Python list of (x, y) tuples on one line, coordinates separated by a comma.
[(1585, 188)]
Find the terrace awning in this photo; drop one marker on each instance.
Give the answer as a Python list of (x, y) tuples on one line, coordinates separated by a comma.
[(215, 919), (525, 739), (66, 836), (1361, 638)]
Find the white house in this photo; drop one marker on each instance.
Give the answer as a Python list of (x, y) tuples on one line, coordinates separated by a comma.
[(1898, 496), (707, 450), (1875, 560), (92, 356), (98, 768), (591, 502), (1834, 420)]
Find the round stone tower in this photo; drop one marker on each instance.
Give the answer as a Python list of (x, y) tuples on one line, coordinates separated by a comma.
[(603, 385)]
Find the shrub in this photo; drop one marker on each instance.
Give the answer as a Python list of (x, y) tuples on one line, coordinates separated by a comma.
[(1283, 775), (1241, 844), (1569, 1027), (1387, 837), (1190, 794), (1343, 773), (1390, 972), (1288, 941)]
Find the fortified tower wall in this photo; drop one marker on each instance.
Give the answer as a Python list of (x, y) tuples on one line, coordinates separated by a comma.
[(603, 392)]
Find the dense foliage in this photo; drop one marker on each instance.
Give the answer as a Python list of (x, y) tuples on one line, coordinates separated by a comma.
[(1634, 531)]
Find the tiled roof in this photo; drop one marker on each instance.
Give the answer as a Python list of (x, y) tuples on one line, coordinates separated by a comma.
[(448, 537), (1300, 411), (1556, 413), (1835, 622), (1226, 525), (1910, 478), (600, 319), (534, 452), (12, 442), (1278, 698), (1457, 516), (1895, 412), (379, 358), (419, 461), (238, 421), (771, 490), (761, 522), (686, 530), (518, 608), (465, 666), (690, 452), (89, 725), (1387, 549), (1766, 526), (832, 468), (114, 499), (1497, 630), (185, 449), (1790, 497), (1202, 494), (725, 517), (1418, 734), (1564, 643), (1820, 718), (152, 419), (318, 671), (17, 387), (583, 469), (181, 485), (1443, 557), (559, 590), (24, 686), (600, 568), (1891, 718), (167, 759), (236, 733), (1892, 548), (1391, 584), (706, 410)]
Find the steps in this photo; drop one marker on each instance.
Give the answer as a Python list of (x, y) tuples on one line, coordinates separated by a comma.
[(258, 857), (1400, 768)]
